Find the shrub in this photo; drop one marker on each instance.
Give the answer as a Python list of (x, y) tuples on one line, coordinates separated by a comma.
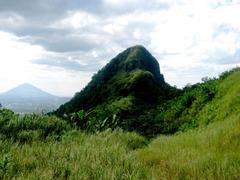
[(31, 126), (28, 136)]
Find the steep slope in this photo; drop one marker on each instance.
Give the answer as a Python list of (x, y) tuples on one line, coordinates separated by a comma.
[(133, 75), (211, 151), (196, 106), (26, 98), (128, 85)]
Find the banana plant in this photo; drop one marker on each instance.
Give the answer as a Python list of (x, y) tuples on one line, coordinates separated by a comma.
[(80, 118)]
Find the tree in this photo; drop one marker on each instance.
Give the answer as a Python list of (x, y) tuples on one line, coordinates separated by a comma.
[(206, 79)]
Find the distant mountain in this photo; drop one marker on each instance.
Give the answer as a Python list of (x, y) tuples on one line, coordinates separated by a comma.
[(127, 85), (26, 91), (27, 98)]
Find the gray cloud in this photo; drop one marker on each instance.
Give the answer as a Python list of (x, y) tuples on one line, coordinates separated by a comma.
[(132, 6), (35, 21), (69, 64), (224, 58), (69, 43), (45, 9)]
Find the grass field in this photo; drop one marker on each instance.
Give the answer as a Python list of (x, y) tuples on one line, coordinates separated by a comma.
[(207, 153), (108, 155)]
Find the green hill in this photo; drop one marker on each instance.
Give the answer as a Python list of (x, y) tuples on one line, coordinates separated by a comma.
[(134, 72), (130, 92), (130, 83)]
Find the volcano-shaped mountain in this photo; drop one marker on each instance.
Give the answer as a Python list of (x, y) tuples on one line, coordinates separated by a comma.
[(27, 98)]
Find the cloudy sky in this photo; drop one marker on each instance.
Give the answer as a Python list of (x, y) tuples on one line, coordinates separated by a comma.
[(58, 44)]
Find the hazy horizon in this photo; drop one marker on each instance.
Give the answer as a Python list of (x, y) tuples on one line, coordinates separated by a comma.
[(28, 85), (58, 45)]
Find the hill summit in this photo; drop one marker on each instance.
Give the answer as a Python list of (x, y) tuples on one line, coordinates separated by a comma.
[(120, 93), (131, 78)]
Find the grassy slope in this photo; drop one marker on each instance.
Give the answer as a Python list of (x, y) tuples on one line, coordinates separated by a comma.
[(227, 101), (211, 152)]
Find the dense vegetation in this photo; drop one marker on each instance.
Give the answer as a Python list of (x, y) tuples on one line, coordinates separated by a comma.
[(119, 78), (191, 107), (37, 146), (130, 93), (212, 151), (128, 85), (192, 133)]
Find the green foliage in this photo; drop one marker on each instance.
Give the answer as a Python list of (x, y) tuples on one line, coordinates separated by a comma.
[(196, 105), (29, 149), (177, 114), (133, 74), (79, 118), (107, 155), (30, 127), (131, 87), (4, 165), (226, 74), (181, 110), (83, 121), (28, 136)]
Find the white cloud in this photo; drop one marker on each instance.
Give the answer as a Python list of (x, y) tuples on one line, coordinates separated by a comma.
[(16, 67), (15, 56), (76, 20), (197, 35)]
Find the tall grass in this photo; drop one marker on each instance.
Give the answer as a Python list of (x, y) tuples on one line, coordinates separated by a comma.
[(211, 153), (108, 155)]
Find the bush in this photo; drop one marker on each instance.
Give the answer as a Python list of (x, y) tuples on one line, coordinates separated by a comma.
[(31, 126), (28, 136)]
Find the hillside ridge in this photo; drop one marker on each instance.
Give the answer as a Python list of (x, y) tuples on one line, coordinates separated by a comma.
[(133, 72)]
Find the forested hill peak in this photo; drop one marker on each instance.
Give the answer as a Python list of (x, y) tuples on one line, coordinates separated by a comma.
[(134, 72), (135, 57)]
